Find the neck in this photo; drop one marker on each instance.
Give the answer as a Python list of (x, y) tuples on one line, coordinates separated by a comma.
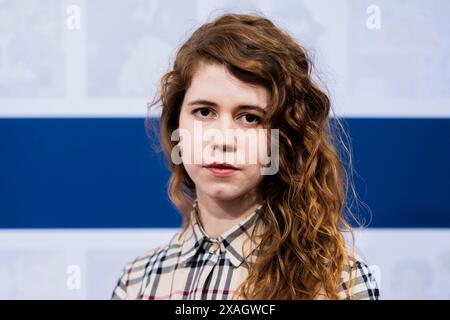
[(217, 216)]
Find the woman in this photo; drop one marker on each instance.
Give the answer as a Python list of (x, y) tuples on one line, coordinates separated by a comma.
[(251, 229)]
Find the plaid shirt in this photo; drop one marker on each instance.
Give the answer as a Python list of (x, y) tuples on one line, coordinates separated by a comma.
[(195, 266)]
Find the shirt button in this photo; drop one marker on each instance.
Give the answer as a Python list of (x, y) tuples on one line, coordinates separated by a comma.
[(214, 247)]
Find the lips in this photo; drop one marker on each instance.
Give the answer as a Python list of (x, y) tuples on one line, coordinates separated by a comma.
[(221, 169), (216, 165)]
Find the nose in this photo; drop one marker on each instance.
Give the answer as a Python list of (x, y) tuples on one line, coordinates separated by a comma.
[(224, 137), (224, 147)]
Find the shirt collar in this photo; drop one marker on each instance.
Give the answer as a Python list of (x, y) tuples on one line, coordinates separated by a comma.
[(233, 241)]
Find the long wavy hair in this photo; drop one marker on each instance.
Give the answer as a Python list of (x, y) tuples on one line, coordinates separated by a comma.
[(303, 251)]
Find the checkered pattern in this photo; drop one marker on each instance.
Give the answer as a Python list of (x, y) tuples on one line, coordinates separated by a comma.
[(194, 266)]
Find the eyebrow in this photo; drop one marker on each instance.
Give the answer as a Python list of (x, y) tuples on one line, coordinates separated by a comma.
[(204, 102)]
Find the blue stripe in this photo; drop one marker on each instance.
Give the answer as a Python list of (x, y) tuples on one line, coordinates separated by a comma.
[(103, 173), (404, 170)]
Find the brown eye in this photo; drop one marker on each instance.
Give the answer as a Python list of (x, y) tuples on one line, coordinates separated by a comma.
[(204, 112), (251, 118)]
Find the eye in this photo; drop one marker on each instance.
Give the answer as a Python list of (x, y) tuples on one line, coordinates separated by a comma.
[(204, 112), (251, 118)]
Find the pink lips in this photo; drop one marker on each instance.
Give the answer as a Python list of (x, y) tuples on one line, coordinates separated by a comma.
[(221, 169)]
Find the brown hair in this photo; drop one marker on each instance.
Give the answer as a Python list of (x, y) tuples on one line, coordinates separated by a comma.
[(303, 250)]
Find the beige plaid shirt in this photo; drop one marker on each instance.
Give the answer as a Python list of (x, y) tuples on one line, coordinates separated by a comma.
[(193, 265)]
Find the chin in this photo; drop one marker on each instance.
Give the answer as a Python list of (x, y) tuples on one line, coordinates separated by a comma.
[(222, 193)]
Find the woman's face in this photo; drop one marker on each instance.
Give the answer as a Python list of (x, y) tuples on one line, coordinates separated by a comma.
[(219, 122)]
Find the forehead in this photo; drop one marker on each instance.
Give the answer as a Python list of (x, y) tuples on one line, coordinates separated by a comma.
[(214, 82)]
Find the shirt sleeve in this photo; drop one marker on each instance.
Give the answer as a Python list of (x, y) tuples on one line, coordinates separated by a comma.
[(129, 284), (362, 285), (120, 290)]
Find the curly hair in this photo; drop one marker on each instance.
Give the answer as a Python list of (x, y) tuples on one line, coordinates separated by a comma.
[(302, 252)]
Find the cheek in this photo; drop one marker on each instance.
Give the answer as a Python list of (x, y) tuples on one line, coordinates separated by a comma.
[(258, 152), (187, 136), (252, 172), (195, 172), (191, 170)]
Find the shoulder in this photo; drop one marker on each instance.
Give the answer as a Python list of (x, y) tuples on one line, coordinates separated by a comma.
[(358, 281), (130, 281)]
